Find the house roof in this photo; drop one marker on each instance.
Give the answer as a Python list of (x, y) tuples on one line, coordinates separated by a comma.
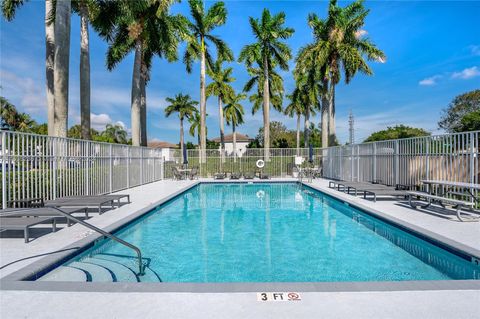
[(161, 144), (229, 138)]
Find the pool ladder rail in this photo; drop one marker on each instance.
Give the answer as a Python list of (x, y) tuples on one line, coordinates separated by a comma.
[(141, 265)]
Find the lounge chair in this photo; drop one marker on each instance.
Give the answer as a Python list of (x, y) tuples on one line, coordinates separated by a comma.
[(392, 192), (263, 176), (87, 201), (41, 212), (24, 223), (249, 175), (219, 176), (235, 175)]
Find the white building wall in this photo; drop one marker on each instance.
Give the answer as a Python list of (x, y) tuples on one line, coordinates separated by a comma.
[(241, 148)]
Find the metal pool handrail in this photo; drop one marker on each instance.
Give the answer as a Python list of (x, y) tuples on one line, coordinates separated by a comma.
[(141, 266)]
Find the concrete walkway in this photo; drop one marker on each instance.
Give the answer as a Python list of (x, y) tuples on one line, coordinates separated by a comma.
[(366, 304)]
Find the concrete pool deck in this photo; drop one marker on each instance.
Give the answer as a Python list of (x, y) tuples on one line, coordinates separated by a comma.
[(430, 303)]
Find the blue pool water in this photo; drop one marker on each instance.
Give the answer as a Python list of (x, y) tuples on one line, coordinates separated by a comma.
[(276, 232)]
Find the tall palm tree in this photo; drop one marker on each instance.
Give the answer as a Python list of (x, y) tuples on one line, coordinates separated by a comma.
[(197, 49), (295, 108), (268, 51), (9, 8), (86, 9), (194, 129), (61, 66), (185, 107), (147, 28), (234, 116), (338, 46), (220, 87)]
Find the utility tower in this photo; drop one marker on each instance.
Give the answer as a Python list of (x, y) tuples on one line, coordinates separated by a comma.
[(351, 128)]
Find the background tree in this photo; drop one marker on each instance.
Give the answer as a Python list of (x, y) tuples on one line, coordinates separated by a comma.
[(147, 28), (14, 120), (9, 8), (185, 107), (194, 129), (197, 49), (470, 122), (268, 51), (234, 115), (295, 108), (397, 132), (461, 106), (220, 87), (338, 46)]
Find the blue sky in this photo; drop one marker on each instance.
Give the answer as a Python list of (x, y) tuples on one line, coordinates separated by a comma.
[(432, 48)]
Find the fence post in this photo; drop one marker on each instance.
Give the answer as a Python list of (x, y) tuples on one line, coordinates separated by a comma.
[(4, 170), (374, 174), (55, 160), (472, 158), (427, 155), (128, 166), (141, 166), (110, 159), (396, 171), (87, 169)]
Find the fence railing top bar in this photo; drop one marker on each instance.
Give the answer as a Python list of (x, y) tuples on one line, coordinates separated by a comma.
[(68, 139)]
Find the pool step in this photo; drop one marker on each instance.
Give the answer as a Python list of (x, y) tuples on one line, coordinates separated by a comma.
[(102, 268), (65, 273)]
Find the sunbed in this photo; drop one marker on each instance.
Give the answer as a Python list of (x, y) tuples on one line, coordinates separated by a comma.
[(24, 223), (264, 176), (87, 201), (41, 212), (383, 192), (235, 175), (219, 176), (249, 175)]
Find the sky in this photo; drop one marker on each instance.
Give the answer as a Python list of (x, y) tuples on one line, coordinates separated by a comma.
[(432, 49)]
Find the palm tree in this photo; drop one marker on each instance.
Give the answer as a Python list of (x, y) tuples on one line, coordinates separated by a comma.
[(267, 52), (9, 8), (61, 66), (86, 9), (234, 115), (194, 129), (295, 108), (185, 107), (220, 87), (147, 28), (338, 46), (197, 49)]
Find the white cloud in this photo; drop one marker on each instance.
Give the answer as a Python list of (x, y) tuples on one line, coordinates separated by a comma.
[(430, 81), (99, 121), (475, 49), (467, 73), (24, 92)]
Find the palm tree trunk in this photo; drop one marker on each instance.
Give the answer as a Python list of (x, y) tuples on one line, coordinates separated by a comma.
[(222, 129), (61, 66), (266, 111), (234, 143), (203, 107), (324, 115), (49, 58), (331, 116), (143, 106), (136, 95), (306, 132), (84, 74), (298, 134), (181, 139)]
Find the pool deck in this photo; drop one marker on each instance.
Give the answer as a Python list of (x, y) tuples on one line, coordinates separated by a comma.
[(372, 303)]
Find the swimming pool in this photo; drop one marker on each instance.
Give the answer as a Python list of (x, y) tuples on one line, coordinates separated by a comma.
[(263, 232)]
